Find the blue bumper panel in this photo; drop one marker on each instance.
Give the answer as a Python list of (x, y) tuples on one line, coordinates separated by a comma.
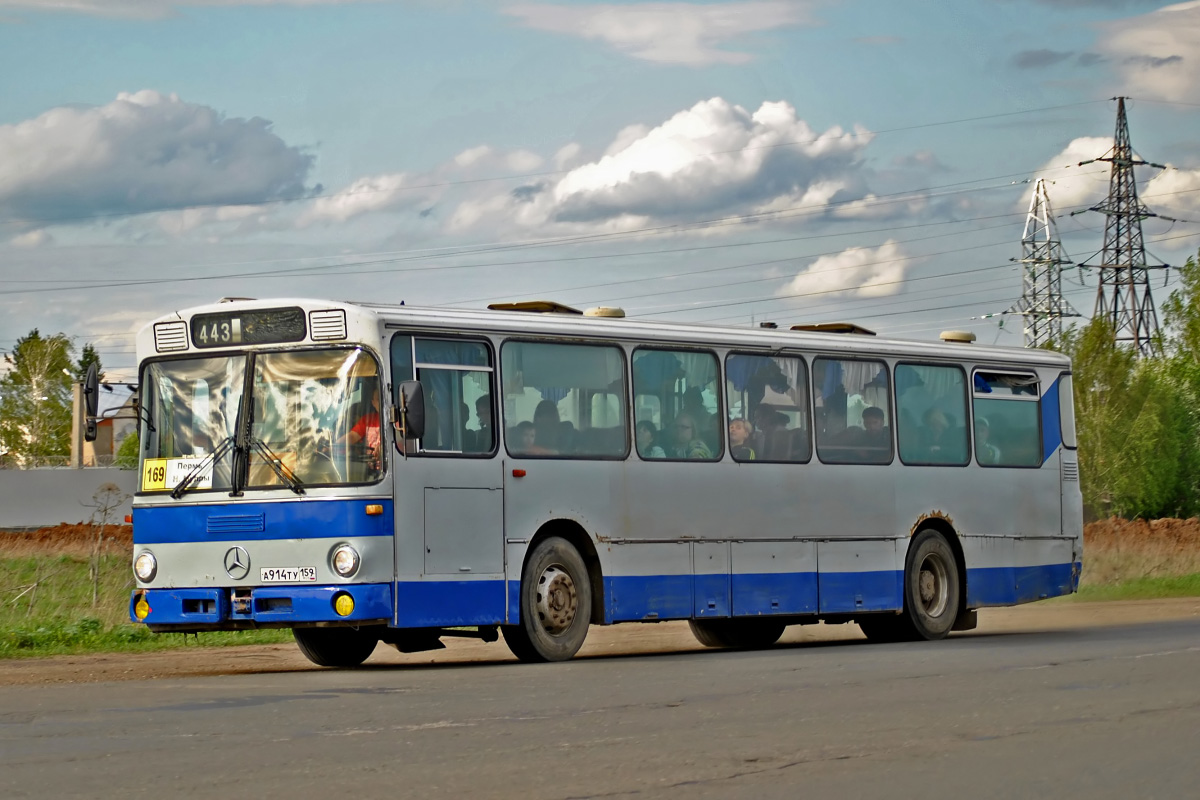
[(713, 593), (437, 604), (1006, 586), (248, 521), (774, 593), (277, 604), (847, 592), (655, 597)]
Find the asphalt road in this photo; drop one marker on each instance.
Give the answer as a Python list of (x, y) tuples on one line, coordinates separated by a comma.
[(1088, 712)]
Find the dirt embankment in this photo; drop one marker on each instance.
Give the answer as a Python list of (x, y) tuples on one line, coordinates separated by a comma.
[(67, 540), (1117, 550)]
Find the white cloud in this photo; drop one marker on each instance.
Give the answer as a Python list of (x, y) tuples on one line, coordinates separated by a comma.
[(856, 271), (365, 195), (673, 33), (713, 157), (1156, 53), (713, 160), (142, 152), (151, 9), (30, 239), (1175, 193), (1070, 186)]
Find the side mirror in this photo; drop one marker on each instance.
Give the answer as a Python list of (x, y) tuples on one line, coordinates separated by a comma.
[(91, 402), (411, 410)]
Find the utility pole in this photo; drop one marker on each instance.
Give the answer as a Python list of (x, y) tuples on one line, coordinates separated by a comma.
[(1123, 295), (1042, 303)]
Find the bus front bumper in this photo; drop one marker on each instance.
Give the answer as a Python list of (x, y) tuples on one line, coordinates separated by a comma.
[(225, 609)]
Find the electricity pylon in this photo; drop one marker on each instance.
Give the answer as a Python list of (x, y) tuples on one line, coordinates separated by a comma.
[(1042, 303), (1124, 291)]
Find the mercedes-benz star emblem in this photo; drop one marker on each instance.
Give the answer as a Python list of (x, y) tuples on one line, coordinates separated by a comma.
[(237, 563)]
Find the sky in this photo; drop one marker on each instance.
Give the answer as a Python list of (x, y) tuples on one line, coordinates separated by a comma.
[(727, 162)]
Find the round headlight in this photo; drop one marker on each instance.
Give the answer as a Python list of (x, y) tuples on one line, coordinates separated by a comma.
[(145, 566), (345, 560)]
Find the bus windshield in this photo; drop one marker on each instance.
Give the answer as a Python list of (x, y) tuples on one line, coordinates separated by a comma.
[(312, 421)]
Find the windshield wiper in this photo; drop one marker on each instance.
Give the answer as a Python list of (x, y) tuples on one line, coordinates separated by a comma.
[(195, 472), (285, 474)]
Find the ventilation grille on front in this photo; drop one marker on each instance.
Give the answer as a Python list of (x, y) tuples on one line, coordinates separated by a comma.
[(326, 325), (170, 336), (237, 523), (1070, 471)]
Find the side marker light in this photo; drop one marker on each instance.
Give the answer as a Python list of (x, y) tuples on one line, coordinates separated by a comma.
[(374, 510)]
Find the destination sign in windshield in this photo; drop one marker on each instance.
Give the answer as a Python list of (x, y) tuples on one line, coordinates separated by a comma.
[(258, 326)]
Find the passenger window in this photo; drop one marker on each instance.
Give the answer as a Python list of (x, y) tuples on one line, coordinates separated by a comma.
[(456, 376), (768, 408), (564, 400), (852, 411), (681, 388), (1007, 420), (931, 414)]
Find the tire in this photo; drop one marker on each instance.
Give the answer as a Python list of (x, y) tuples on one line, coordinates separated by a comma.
[(335, 647), (932, 586), (740, 634), (932, 589), (556, 604)]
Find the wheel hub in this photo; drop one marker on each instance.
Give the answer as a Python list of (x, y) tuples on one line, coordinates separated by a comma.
[(557, 600), (932, 583)]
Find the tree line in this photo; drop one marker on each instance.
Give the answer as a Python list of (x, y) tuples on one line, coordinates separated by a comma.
[(1138, 419)]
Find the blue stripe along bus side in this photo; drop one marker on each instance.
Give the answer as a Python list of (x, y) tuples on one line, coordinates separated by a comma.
[(250, 521)]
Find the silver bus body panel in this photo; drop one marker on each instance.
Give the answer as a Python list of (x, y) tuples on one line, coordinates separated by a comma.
[(695, 539)]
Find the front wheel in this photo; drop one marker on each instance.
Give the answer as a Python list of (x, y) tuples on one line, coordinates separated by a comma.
[(335, 647), (556, 604)]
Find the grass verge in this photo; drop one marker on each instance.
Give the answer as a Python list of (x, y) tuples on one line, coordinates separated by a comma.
[(56, 604), (1149, 588)]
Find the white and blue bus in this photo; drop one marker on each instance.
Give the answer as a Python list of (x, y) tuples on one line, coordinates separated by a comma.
[(363, 473)]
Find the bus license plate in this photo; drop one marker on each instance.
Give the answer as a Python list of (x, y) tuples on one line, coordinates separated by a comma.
[(288, 574)]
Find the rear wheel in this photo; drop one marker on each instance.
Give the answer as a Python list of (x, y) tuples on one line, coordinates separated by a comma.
[(335, 647), (741, 634), (556, 604), (932, 587)]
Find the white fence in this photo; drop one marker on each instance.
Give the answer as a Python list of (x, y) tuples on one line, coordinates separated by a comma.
[(34, 498)]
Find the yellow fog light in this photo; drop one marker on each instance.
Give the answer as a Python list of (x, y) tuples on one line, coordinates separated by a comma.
[(343, 604), (141, 609)]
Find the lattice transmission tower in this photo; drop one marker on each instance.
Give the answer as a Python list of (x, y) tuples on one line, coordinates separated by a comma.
[(1042, 304), (1124, 291)]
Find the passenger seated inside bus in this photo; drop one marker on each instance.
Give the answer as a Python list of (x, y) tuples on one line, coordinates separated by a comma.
[(985, 451), (481, 440), (548, 427), (776, 439), (740, 432), (685, 442), (942, 441), (524, 437), (875, 437), (646, 436)]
